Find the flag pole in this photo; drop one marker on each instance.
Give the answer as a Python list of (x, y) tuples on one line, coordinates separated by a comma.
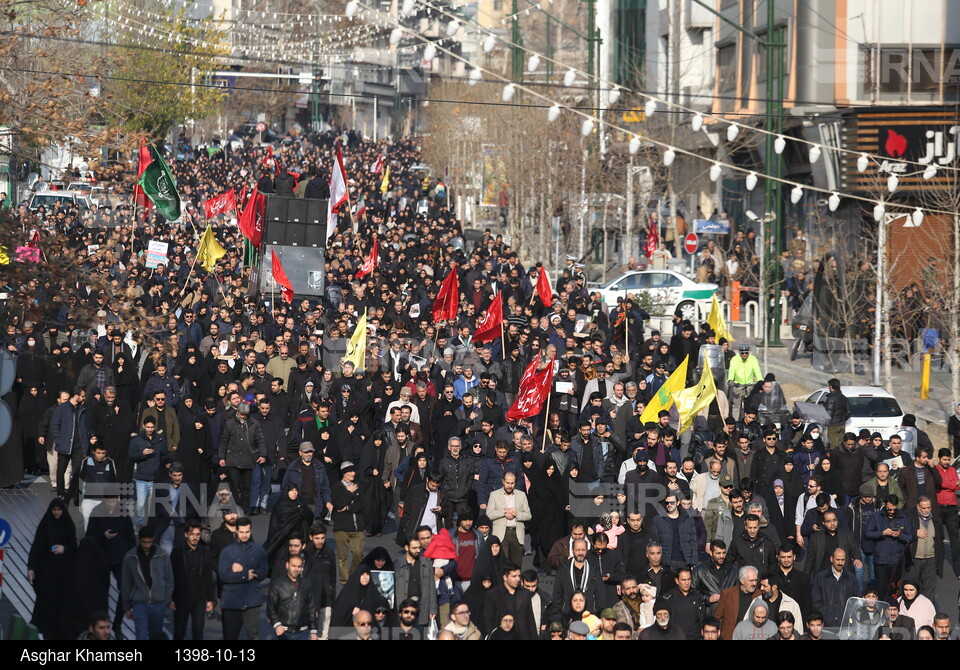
[(503, 342), (626, 333), (546, 418)]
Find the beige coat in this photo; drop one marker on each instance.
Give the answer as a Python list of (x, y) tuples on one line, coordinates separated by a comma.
[(496, 505)]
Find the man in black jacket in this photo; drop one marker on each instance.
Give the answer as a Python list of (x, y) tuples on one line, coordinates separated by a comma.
[(838, 407), (833, 587), (275, 444), (632, 544), (580, 573), (347, 520), (686, 606), (290, 608), (510, 596), (793, 582), (241, 448), (713, 576), (194, 591), (456, 471), (321, 564)]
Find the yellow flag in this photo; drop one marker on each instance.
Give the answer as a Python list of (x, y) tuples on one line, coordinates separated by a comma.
[(690, 401), (357, 347), (209, 250), (716, 321), (664, 396), (385, 184)]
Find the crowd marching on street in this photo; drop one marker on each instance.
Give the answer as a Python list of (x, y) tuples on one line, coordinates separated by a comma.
[(445, 447)]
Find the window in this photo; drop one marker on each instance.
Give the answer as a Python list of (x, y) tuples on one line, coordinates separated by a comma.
[(662, 280), (727, 67), (498, 5), (631, 282), (779, 37)]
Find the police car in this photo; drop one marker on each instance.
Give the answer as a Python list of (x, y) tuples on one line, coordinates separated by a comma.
[(669, 292)]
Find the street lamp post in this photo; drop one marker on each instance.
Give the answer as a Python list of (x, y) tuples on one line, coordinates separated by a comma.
[(882, 317)]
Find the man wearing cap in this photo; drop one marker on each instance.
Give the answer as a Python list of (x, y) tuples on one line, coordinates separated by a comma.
[(310, 478), (465, 382), (744, 372), (348, 521)]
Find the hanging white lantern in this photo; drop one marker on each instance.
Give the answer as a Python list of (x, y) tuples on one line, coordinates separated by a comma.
[(715, 171), (696, 123), (488, 43), (634, 144), (878, 211), (917, 217), (862, 162), (779, 144), (586, 127), (351, 9), (892, 182), (452, 28), (430, 52), (553, 113), (930, 172), (669, 156), (751, 181), (569, 77), (395, 35), (475, 75), (814, 154), (407, 8), (508, 92), (833, 201), (796, 194), (613, 95), (533, 63), (650, 108), (732, 131)]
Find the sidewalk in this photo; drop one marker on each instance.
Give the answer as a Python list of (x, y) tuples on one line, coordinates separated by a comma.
[(932, 414)]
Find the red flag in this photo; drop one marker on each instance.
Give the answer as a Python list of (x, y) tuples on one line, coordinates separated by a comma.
[(543, 287), (143, 161), (243, 197), (279, 276), (448, 299), (251, 220), (489, 327), (377, 167), (219, 204), (370, 263), (653, 240), (534, 388)]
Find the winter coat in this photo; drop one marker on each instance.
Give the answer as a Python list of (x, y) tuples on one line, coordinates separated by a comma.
[(830, 595), (241, 443), (661, 530), (888, 550), (148, 466), (294, 477), (491, 476), (62, 427), (239, 592), (133, 586), (427, 595)]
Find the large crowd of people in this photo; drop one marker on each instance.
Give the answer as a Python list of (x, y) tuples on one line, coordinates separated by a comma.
[(170, 405)]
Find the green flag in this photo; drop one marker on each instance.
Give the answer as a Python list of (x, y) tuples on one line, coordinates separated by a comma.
[(158, 184)]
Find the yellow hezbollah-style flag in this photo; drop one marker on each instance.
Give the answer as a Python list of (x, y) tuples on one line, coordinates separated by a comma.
[(209, 250), (664, 396), (716, 321), (357, 347), (690, 401), (385, 184)]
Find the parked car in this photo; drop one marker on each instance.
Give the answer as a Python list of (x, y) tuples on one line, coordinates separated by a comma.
[(870, 407), (64, 197), (669, 291)]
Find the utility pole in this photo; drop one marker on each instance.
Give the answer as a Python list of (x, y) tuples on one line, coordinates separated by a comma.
[(516, 51), (674, 90), (774, 50)]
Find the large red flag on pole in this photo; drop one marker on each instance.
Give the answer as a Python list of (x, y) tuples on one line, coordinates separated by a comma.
[(143, 161), (251, 220), (218, 204), (279, 276), (448, 299), (489, 327), (534, 390), (543, 287), (370, 263), (653, 240)]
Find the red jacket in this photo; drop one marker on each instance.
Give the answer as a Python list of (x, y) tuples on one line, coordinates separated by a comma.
[(947, 491)]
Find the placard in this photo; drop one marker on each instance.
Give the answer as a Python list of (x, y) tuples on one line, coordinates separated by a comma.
[(156, 253)]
